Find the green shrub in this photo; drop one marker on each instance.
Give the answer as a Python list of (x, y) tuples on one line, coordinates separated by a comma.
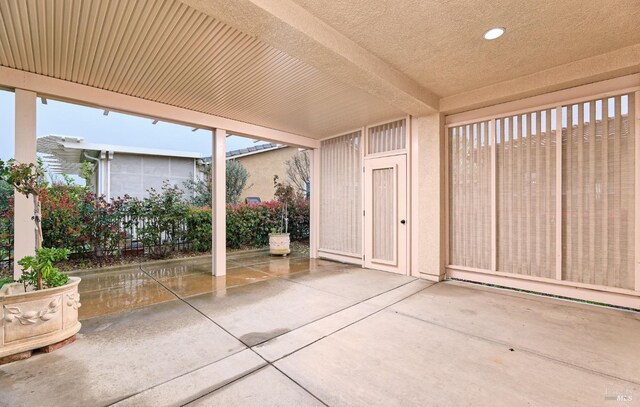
[(199, 229), (299, 219), (6, 233), (43, 263), (101, 231), (75, 218), (5, 280), (62, 223), (250, 224), (159, 219), (6, 221), (247, 224)]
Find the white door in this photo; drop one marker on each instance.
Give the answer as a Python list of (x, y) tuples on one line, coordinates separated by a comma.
[(385, 214)]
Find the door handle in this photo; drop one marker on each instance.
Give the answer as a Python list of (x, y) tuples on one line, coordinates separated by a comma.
[(403, 221)]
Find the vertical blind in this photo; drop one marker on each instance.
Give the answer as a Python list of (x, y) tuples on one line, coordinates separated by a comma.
[(387, 137), (384, 213), (597, 186), (598, 183), (526, 193), (340, 194), (470, 195)]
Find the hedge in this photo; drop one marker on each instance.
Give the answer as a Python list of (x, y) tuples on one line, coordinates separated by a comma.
[(249, 224), (88, 224)]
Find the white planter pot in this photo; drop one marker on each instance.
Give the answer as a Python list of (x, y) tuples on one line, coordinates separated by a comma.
[(279, 244), (36, 319)]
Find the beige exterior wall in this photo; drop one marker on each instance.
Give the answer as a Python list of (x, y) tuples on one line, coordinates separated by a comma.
[(262, 167), (428, 214)]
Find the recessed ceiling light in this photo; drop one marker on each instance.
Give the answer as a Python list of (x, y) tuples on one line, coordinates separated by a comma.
[(494, 33)]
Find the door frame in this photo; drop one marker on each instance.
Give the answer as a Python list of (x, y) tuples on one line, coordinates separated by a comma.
[(402, 205)]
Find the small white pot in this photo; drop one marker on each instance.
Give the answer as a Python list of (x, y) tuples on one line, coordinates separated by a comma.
[(279, 244), (34, 319)]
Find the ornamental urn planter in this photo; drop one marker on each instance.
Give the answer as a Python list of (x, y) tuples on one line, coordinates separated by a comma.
[(279, 244), (35, 319)]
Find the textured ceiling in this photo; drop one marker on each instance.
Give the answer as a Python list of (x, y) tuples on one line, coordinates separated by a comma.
[(167, 52), (439, 43)]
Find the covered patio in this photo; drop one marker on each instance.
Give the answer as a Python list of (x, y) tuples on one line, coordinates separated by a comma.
[(466, 156), (324, 333)]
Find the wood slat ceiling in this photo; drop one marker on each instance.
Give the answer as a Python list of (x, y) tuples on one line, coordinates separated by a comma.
[(167, 52)]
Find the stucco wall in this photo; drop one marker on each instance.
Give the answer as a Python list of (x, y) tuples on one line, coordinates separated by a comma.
[(429, 214), (262, 167), (134, 174)]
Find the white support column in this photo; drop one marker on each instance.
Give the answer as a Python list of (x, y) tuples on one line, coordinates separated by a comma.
[(218, 203), (314, 204), (25, 141)]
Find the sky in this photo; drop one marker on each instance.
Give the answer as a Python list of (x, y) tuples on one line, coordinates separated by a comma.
[(118, 129)]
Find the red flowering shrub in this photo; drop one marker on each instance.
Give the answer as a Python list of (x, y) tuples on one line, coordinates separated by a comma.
[(250, 224), (61, 222), (103, 224), (77, 219)]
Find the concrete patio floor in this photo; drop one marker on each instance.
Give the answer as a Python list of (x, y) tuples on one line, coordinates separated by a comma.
[(296, 331)]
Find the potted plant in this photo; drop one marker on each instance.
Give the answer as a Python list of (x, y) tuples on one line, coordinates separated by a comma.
[(41, 309), (279, 240)]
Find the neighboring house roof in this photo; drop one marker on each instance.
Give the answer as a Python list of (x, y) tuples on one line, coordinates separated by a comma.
[(66, 153), (260, 148)]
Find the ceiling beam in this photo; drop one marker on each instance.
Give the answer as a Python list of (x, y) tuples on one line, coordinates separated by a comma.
[(290, 28)]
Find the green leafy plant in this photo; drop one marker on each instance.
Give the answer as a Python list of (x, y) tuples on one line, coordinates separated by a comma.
[(40, 272), (6, 227), (87, 170), (160, 217), (285, 192), (237, 176), (250, 225), (199, 192), (5, 280), (62, 223), (102, 224), (199, 229), (28, 180)]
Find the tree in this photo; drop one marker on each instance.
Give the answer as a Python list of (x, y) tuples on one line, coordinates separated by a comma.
[(199, 191), (298, 170), (28, 180), (237, 177), (6, 193)]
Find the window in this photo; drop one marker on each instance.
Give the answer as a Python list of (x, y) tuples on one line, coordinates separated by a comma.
[(509, 216), (387, 137), (526, 193), (470, 188), (598, 185), (341, 183)]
